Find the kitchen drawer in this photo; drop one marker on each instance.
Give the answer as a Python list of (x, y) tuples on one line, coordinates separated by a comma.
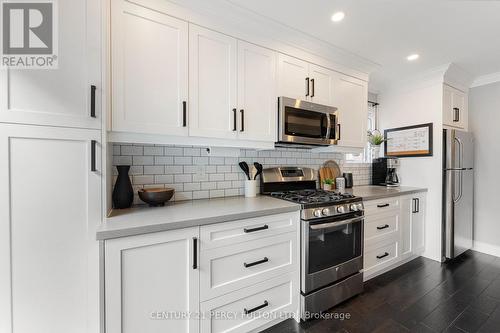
[(222, 234), (380, 206), (383, 226), (226, 269), (380, 256), (227, 313)]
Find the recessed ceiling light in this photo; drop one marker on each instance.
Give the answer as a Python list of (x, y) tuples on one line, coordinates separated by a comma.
[(338, 16), (412, 57)]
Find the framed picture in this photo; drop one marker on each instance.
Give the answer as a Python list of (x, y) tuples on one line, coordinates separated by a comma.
[(409, 141)]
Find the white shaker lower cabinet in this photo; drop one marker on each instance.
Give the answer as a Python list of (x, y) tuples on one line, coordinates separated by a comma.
[(236, 271), (149, 278), (49, 212), (150, 71), (394, 232)]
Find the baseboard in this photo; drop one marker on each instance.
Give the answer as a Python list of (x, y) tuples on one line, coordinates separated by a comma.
[(490, 249)]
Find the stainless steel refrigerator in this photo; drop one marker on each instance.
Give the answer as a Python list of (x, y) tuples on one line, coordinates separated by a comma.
[(458, 192)]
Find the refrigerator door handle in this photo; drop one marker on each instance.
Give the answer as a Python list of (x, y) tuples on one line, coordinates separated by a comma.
[(460, 186), (460, 153)]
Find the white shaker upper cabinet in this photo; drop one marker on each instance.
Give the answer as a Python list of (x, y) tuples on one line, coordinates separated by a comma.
[(212, 84), (321, 85), (150, 276), (62, 96), (149, 71), (350, 96), (293, 77), (50, 208), (455, 112), (257, 99)]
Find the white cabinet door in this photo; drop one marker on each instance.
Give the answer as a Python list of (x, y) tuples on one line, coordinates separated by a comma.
[(212, 83), (350, 96), (50, 206), (293, 77), (151, 276), (406, 226), (418, 223), (62, 96), (321, 81), (455, 108), (460, 108), (257, 98), (150, 71), (448, 113)]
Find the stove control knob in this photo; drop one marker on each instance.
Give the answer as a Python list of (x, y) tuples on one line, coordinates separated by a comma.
[(326, 211), (353, 207), (360, 206), (317, 213), (340, 209)]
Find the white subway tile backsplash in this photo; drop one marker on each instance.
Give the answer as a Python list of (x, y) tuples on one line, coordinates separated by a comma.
[(154, 169), (183, 178), (196, 176), (142, 160), (153, 150), (132, 150)]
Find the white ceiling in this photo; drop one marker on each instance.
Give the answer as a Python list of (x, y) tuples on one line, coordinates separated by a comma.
[(466, 33)]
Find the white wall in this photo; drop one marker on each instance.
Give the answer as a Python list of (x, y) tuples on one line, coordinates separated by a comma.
[(484, 117), (412, 105)]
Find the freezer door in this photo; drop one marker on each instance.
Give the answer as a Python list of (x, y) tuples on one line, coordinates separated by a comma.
[(458, 150), (465, 146), (459, 212)]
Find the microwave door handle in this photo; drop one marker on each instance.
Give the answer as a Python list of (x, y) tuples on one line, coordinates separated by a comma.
[(328, 126)]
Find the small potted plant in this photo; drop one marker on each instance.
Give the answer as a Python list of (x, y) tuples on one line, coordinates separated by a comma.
[(328, 184), (375, 138)]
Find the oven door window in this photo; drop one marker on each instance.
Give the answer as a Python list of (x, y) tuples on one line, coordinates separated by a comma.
[(333, 246), (305, 123)]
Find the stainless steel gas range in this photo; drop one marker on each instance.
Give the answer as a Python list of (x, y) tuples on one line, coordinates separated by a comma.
[(331, 237)]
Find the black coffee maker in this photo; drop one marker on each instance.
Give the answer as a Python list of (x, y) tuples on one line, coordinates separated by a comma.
[(385, 171)]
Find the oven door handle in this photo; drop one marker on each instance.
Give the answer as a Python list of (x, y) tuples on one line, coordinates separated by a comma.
[(336, 224)]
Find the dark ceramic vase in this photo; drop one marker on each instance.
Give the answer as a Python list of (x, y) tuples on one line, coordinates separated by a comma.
[(123, 193)]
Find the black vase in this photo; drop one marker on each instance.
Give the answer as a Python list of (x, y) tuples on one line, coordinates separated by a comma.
[(123, 193)]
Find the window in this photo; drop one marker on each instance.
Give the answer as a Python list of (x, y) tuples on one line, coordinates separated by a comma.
[(366, 155)]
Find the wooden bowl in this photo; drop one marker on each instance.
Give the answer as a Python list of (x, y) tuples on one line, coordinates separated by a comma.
[(155, 197)]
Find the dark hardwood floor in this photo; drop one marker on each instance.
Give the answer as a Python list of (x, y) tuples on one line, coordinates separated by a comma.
[(420, 296)]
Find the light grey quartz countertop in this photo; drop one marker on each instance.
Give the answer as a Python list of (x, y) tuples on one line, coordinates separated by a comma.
[(371, 192), (176, 215)]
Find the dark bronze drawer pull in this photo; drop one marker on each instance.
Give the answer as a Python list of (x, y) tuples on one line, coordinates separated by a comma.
[(264, 227), (383, 255), (266, 259), (256, 308), (383, 227), (382, 206)]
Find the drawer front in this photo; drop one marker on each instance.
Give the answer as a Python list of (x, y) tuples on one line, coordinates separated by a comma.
[(226, 269), (265, 301), (381, 206), (379, 256), (223, 234), (381, 227)]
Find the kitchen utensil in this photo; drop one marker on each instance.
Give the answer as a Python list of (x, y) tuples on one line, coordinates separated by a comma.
[(259, 168), (253, 172), (348, 179), (156, 196), (245, 168), (123, 193), (331, 164)]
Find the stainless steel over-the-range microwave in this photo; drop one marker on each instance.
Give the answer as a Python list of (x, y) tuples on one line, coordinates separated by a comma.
[(305, 123)]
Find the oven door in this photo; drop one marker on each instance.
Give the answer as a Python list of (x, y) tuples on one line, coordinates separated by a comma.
[(332, 249), (303, 122)]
